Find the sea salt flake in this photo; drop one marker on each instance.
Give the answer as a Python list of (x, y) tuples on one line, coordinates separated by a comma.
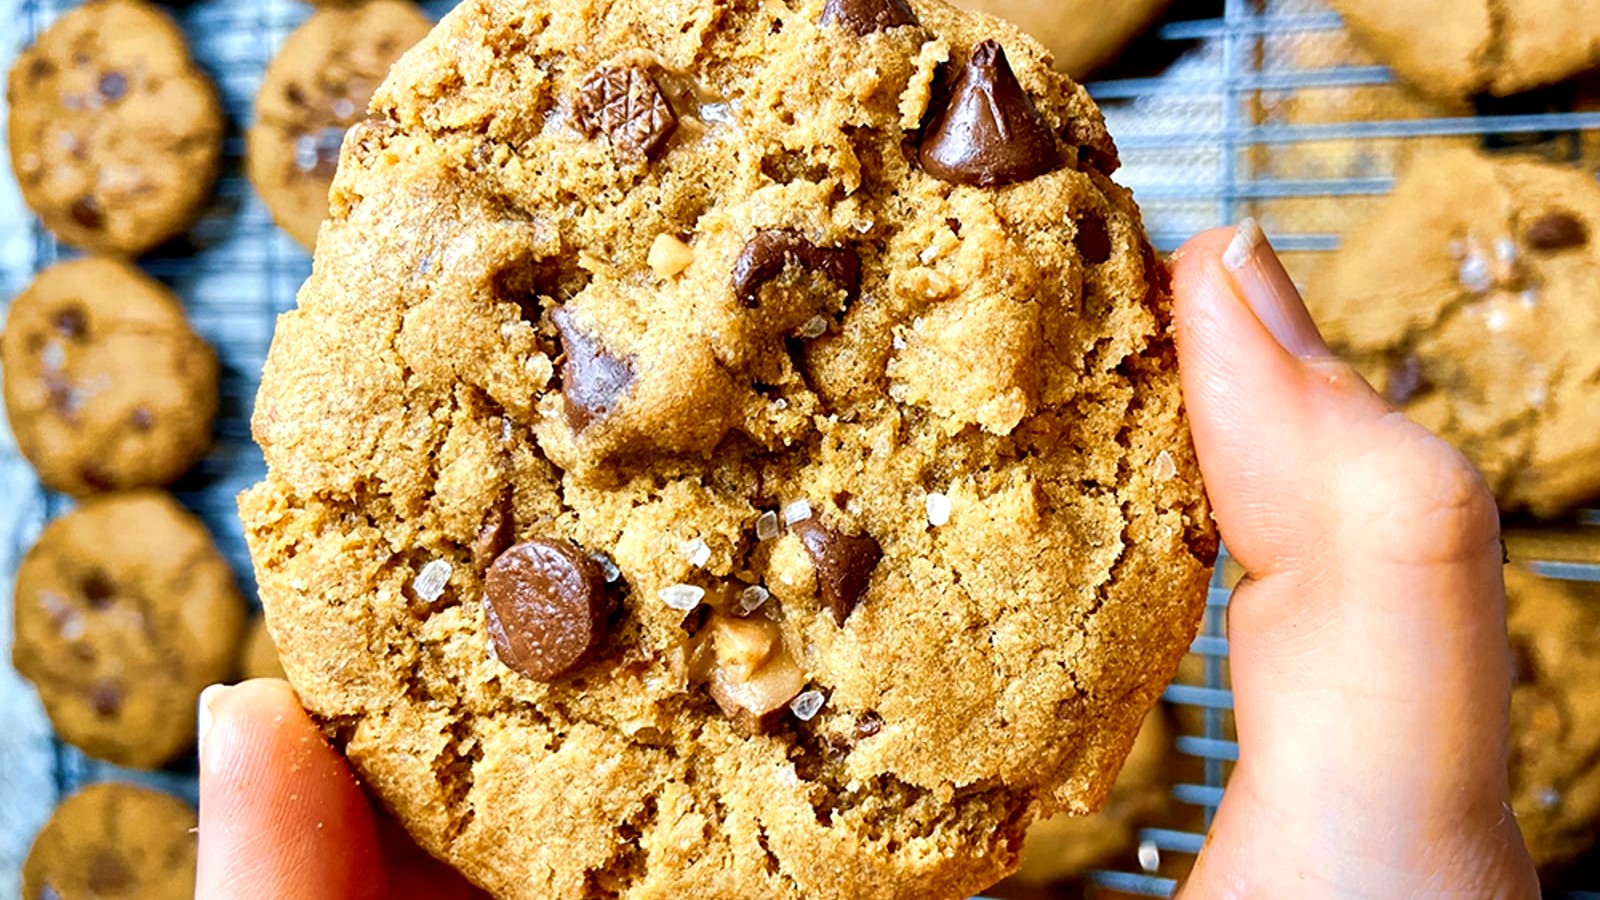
[(1149, 856), (1475, 273), (798, 511), (767, 526), (607, 567), (862, 226), (1166, 468), (697, 552), (780, 404), (814, 327), (682, 597), (1496, 319), (54, 356), (716, 113), (430, 582), (806, 706), (787, 776), (938, 509), (1505, 250), (898, 342), (752, 598)]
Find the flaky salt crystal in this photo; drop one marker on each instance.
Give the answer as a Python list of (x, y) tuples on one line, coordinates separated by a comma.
[(898, 342), (682, 597), (1505, 250), (767, 526), (1149, 856), (608, 567), (798, 511), (430, 582), (1475, 273), (815, 327), (862, 226), (697, 552), (806, 706), (1166, 469), (752, 598), (938, 509)]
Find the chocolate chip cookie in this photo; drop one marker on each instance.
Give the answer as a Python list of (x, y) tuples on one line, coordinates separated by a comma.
[(317, 87), (106, 385), (1555, 713), (1082, 35), (124, 613), (114, 840), (729, 450), (1469, 301), (115, 133), (259, 658)]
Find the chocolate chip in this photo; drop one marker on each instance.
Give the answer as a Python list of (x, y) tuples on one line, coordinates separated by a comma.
[(72, 322), (1092, 240), (1556, 231), (112, 86), (866, 16), (844, 564), (868, 725), (988, 132), (1406, 379), (546, 607), (109, 873), (771, 251), (40, 68), (106, 697), (593, 381), (143, 419), (1523, 670), (626, 105), (86, 212), (98, 590)]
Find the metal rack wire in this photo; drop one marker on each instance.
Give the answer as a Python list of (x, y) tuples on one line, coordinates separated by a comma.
[(1187, 137)]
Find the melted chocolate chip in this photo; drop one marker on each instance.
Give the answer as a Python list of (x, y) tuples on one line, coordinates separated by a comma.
[(844, 564), (142, 418), (866, 16), (86, 211), (1556, 231), (1406, 380), (109, 873), (98, 591), (72, 323), (626, 105), (1092, 240), (868, 725), (593, 381), (106, 697), (112, 86), (770, 252), (988, 132), (546, 607)]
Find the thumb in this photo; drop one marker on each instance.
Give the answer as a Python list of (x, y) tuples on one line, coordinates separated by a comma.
[(1370, 665)]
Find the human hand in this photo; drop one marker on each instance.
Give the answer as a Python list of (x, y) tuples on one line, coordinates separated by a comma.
[(1371, 670)]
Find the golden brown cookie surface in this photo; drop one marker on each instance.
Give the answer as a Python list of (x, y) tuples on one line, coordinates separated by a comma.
[(114, 840)]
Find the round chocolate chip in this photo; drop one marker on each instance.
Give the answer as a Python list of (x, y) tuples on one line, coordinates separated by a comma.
[(72, 323), (98, 590), (866, 16), (988, 133), (771, 251), (86, 211), (1556, 231), (109, 873), (546, 607)]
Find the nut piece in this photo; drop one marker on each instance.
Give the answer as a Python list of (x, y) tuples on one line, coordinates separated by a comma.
[(625, 104), (844, 564), (988, 134), (546, 607), (593, 381), (772, 251), (1556, 231), (753, 677), (669, 256), (866, 16)]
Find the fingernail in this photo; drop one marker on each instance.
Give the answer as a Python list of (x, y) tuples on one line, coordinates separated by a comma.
[(203, 715), (1272, 296)]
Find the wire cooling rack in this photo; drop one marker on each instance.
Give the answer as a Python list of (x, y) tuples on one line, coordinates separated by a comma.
[(1198, 141)]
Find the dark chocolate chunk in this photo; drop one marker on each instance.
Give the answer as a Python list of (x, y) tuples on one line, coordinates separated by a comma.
[(988, 133), (86, 211), (98, 590), (72, 323), (1523, 670), (106, 697), (546, 607), (869, 724), (1405, 380), (626, 105), (866, 16), (112, 86), (109, 873), (143, 419), (1092, 240), (844, 564), (771, 251), (593, 381), (1556, 231)]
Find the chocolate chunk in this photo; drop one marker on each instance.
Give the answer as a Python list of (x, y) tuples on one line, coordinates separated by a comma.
[(1405, 380), (988, 132), (143, 419), (109, 873), (868, 725), (98, 590), (86, 212), (626, 105), (844, 564), (1523, 670), (546, 607), (1556, 231), (1092, 240), (112, 86), (106, 697), (593, 382), (771, 251), (72, 323), (866, 16)]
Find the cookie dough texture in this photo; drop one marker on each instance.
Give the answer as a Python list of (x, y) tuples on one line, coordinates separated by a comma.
[(114, 840), (115, 133), (978, 383), (315, 89), (106, 385), (1469, 300), (124, 613), (1555, 713), (1082, 35)]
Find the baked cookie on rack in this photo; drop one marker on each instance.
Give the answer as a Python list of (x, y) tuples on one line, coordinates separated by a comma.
[(107, 387), (112, 839), (1555, 713), (764, 416), (115, 133), (1082, 35), (317, 87), (125, 611), (1469, 301)]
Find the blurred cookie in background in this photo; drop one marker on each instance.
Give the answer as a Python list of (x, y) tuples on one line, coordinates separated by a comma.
[(259, 657), (115, 133), (1082, 35), (114, 840), (107, 386), (1555, 713), (1469, 301), (125, 611), (317, 87)]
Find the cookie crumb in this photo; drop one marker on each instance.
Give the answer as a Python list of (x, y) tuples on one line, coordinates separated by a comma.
[(797, 511), (938, 509), (668, 255), (697, 552), (430, 582), (1166, 468), (682, 597), (767, 526), (752, 598), (806, 706)]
